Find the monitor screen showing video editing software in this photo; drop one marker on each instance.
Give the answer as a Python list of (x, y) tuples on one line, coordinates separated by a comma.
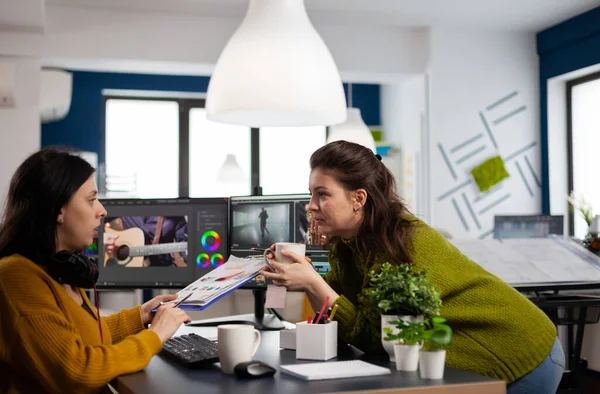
[(257, 222), (165, 243)]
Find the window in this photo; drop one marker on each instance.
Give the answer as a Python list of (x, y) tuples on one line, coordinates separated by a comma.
[(585, 140), (210, 145), (142, 148), (284, 155), (166, 148)]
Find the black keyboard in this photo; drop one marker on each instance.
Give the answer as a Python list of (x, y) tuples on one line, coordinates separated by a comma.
[(191, 350)]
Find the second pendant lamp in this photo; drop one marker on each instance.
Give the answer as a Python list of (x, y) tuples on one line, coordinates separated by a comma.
[(276, 71), (353, 129)]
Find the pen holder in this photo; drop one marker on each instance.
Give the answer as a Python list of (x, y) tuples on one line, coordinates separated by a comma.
[(316, 341)]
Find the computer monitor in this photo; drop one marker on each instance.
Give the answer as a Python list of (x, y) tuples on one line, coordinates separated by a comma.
[(160, 243), (527, 226), (257, 222)]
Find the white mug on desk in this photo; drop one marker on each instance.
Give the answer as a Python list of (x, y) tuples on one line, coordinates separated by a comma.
[(299, 249), (237, 343)]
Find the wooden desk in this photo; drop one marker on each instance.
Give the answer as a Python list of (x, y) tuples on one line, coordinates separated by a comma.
[(165, 376)]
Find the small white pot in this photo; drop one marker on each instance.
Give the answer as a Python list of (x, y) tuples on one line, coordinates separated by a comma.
[(407, 357), (431, 364), (385, 319)]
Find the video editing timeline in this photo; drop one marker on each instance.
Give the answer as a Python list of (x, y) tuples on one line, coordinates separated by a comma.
[(160, 243), (257, 222)]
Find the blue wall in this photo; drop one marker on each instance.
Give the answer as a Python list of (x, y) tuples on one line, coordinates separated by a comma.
[(82, 128), (569, 46)]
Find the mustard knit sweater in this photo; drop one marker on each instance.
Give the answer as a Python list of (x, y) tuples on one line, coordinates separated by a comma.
[(497, 331), (50, 344)]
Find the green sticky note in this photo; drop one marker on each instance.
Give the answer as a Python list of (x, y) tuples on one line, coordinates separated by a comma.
[(489, 173), (377, 134)]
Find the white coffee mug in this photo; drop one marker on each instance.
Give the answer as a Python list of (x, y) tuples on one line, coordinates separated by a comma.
[(237, 343), (299, 249)]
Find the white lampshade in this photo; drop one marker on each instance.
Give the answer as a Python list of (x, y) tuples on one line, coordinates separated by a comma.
[(230, 171), (353, 130), (276, 71)]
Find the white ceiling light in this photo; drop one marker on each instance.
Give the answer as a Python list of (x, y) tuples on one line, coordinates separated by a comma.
[(276, 71), (230, 171), (353, 129)]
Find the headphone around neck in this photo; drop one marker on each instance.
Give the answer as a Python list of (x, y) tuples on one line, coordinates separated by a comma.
[(74, 268)]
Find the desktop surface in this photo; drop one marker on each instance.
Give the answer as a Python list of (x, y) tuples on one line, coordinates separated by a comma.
[(165, 376)]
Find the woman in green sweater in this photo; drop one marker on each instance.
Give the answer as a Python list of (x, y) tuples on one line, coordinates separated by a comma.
[(497, 331)]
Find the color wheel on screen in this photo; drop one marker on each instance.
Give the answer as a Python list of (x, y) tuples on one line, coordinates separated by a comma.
[(217, 259), (203, 260), (211, 240)]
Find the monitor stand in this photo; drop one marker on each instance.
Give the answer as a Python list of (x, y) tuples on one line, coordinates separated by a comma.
[(259, 320)]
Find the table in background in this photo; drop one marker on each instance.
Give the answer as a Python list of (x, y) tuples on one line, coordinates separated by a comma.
[(163, 375)]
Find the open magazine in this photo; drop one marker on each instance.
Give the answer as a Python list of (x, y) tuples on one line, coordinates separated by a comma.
[(219, 282)]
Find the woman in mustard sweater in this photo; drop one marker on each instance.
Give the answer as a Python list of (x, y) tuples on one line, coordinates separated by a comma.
[(497, 331), (51, 339)]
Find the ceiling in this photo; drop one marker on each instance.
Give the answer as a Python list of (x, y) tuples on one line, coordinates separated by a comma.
[(23, 16), (519, 15)]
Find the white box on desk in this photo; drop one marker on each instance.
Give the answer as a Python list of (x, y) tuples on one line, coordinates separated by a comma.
[(316, 341), (287, 339)]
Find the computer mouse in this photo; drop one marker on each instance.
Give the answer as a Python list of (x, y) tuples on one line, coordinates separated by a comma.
[(253, 369)]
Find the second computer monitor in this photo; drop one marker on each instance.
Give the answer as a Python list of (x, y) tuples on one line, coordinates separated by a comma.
[(257, 222), (527, 226)]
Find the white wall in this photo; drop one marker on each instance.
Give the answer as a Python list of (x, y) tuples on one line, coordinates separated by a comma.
[(20, 124), (403, 118), (470, 72)]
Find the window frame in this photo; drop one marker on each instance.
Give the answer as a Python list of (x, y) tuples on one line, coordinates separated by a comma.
[(185, 106), (570, 176)]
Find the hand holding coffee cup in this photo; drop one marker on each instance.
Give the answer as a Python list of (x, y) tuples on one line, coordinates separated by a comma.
[(289, 267), (237, 344), (280, 257)]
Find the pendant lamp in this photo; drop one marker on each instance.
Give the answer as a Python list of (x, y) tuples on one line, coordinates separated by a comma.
[(230, 171), (353, 129), (276, 71)]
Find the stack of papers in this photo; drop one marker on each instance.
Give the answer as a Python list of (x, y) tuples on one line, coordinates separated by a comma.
[(220, 281), (533, 260)]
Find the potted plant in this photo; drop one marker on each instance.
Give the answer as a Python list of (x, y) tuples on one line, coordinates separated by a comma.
[(401, 292), (436, 337), (406, 348)]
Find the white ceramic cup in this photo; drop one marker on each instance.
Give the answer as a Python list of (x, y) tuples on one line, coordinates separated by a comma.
[(237, 343), (299, 249)]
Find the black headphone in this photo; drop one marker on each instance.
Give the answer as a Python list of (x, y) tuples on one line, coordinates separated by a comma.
[(74, 268)]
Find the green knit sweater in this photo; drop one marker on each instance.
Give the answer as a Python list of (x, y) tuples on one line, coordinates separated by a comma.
[(497, 331)]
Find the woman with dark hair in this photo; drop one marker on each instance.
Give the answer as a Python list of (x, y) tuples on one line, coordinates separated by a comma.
[(497, 331), (51, 340)]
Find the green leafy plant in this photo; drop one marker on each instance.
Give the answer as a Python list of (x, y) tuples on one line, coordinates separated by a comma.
[(409, 333), (403, 290), (437, 335)]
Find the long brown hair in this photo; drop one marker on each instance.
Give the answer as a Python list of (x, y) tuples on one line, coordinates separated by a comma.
[(383, 229)]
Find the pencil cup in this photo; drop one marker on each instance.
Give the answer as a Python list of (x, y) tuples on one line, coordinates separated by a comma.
[(316, 341)]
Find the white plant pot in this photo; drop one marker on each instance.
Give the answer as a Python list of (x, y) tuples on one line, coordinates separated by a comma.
[(407, 357), (388, 346), (431, 364)]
